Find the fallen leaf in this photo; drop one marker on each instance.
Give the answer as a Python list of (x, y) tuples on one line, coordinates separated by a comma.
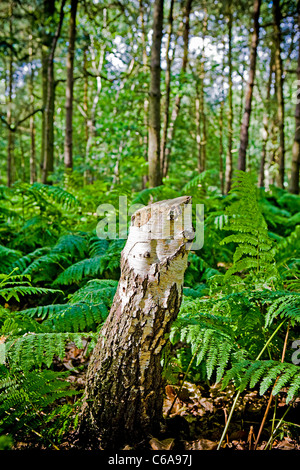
[(165, 444), (201, 444)]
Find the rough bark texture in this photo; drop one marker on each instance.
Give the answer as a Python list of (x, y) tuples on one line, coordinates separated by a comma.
[(124, 390), (244, 137)]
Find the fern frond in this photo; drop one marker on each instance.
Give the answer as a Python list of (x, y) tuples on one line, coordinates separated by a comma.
[(7, 258), (80, 270), (15, 292), (73, 244), (34, 350), (265, 374), (22, 393), (287, 305)]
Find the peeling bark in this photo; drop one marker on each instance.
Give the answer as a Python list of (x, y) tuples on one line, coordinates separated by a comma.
[(124, 390)]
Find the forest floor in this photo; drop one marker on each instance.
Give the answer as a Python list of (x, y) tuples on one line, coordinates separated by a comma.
[(199, 414), (200, 411)]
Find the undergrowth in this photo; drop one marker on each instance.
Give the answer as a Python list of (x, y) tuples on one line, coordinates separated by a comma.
[(58, 281)]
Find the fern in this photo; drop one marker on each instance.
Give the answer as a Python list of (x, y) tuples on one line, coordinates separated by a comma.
[(7, 258), (92, 267), (36, 349), (23, 393), (86, 310), (14, 286), (265, 374), (255, 252), (286, 306)]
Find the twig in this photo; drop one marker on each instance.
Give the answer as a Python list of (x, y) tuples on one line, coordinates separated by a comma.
[(271, 394)]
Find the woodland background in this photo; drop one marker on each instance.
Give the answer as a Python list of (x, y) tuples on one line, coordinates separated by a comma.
[(151, 100)]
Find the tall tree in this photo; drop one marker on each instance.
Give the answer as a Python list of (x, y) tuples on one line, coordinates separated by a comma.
[(68, 157), (177, 103), (145, 72), (266, 130), (48, 136), (155, 176), (279, 91), (228, 163), (166, 116), (244, 136), (200, 112), (295, 168), (10, 137), (33, 168)]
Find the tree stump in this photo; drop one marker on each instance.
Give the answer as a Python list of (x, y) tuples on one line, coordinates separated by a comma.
[(124, 389)]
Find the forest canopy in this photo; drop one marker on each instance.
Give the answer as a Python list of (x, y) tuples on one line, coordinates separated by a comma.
[(75, 91)]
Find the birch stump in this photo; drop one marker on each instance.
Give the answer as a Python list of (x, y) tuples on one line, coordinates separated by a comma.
[(124, 389)]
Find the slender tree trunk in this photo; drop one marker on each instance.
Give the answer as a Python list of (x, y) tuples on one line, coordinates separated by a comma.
[(266, 116), (279, 92), (198, 128), (91, 121), (68, 157), (49, 9), (124, 390), (177, 103), (221, 147), (201, 96), (10, 137), (48, 160), (166, 117), (85, 94), (33, 169), (146, 100), (155, 174), (228, 164), (294, 179), (244, 137)]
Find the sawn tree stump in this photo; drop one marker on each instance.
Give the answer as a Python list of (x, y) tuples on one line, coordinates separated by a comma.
[(124, 389)]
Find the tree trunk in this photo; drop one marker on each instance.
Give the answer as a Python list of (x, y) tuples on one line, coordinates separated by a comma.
[(228, 163), (124, 390), (266, 116), (10, 137), (244, 137), (68, 157), (48, 157), (221, 149), (294, 179), (169, 60), (33, 169), (91, 121), (146, 100), (49, 9), (279, 92), (155, 176), (177, 103)]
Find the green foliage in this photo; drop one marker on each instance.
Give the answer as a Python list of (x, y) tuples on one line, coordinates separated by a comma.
[(254, 252), (35, 349), (25, 394)]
